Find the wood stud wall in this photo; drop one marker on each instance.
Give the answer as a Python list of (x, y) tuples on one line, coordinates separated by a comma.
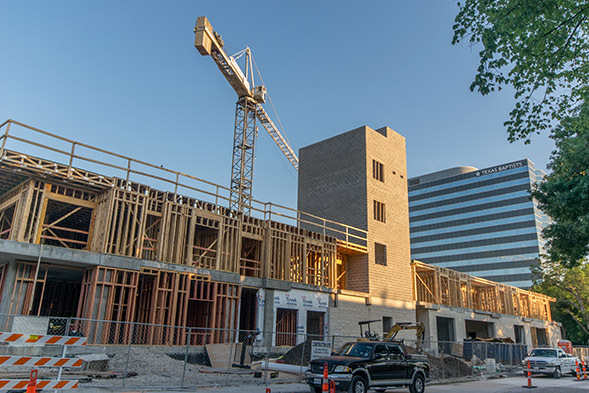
[(437, 285), (133, 220)]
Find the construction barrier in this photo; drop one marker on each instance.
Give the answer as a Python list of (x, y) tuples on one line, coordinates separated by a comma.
[(577, 368), (41, 339), (584, 370), (10, 384), (529, 385), (39, 361), (32, 385)]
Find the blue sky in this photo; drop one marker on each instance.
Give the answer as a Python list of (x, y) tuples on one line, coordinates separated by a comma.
[(125, 76)]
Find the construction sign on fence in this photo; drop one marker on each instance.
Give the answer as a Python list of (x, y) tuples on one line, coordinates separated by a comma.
[(320, 349)]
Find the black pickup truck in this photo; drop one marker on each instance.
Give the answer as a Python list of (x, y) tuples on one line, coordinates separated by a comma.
[(362, 365)]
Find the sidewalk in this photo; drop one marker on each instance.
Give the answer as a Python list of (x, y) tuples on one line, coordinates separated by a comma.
[(275, 388)]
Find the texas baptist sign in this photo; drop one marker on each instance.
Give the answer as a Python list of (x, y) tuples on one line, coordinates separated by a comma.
[(500, 168)]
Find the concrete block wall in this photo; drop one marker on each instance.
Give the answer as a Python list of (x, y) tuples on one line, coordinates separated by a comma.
[(393, 280), (336, 182), (503, 325), (332, 178), (347, 309)]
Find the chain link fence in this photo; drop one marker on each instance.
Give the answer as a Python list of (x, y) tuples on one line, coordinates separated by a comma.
[(126, 354)]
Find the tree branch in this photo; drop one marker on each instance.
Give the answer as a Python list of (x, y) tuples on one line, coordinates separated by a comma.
[(576, 319), (564, 22)]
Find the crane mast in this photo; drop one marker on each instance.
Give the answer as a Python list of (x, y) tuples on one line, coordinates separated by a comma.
[(247, 113)]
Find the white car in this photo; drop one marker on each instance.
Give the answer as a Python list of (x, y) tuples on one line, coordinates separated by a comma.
[(550, 361)]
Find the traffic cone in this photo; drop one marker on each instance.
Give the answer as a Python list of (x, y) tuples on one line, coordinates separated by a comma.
[(32, 386), (332, 386), (268, 390), (584, 370), (529, 386), (578, 374), (325, 379)]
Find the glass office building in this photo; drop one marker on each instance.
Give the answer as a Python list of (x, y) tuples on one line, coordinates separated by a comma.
[(479, 221)]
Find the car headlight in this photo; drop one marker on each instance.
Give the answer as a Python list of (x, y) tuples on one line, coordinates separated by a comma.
[(342, 369)]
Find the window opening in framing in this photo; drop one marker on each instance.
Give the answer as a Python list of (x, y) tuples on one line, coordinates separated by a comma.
[(66, 225), (379, 211), (6, 221), (380, 254), (251, 257), (204, 245), (378, 170), (286, 327)]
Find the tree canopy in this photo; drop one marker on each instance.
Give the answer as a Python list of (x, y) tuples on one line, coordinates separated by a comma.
[(570, 287), (538, 47), (564, 195)]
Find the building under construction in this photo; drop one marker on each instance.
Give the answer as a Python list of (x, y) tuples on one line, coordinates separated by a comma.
[(97, 235)]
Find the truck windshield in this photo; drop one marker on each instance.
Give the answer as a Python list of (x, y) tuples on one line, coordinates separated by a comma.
[(362, 350), (544, 353)]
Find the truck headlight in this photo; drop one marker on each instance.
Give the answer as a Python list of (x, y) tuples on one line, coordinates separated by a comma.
[(341, 369)]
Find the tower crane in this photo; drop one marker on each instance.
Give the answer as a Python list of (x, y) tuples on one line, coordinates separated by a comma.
[(248, 111)]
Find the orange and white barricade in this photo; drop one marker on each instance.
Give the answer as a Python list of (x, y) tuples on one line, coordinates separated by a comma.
[(32, 384)]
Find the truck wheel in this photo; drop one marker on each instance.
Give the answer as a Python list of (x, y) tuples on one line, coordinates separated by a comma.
[(556, 374), (358, 385), (418, 384)]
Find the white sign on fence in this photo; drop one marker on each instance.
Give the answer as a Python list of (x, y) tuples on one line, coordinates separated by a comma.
[(320, 349)]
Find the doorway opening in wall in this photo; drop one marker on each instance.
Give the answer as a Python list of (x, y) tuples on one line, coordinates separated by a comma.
[(247, 313), (479, 329), (446, 333), (518, 331), (539, 337), (315, 325), (286, 327), (47, 291), (54, 291)]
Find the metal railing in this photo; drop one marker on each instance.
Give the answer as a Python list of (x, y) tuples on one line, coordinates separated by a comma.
[(61, 150), (129, 354)]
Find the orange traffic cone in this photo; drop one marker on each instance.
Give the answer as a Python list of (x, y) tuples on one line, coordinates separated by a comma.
[(32, 386), (578, 374), (584, 370), (268, 390), (529, 386), (325, 379), (331, 386)]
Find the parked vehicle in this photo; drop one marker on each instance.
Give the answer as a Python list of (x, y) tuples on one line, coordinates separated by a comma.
[(362, 365), (550, 361)]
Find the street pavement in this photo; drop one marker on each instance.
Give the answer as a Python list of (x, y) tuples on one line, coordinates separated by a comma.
[(496, 385)]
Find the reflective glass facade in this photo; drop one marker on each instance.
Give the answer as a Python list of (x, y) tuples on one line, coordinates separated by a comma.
[(478, 221)]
